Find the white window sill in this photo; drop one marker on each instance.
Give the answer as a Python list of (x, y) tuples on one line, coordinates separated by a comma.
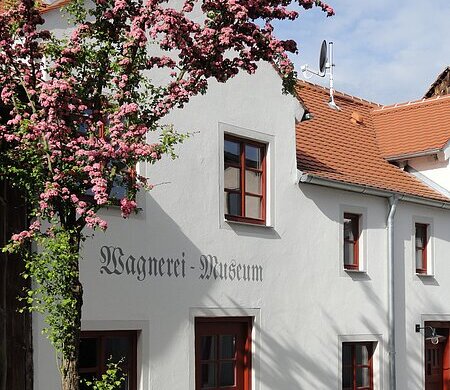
[(230, 222), (424, 275), (355, 271)]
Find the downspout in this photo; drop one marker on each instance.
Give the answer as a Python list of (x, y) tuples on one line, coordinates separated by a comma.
[(393, 200)]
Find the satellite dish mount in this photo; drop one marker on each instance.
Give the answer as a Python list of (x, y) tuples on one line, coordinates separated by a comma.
[(326, 67)]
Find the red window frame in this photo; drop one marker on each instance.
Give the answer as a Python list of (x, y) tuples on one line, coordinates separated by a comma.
[(242, 190), (355, 366), (421, 231), (355, 222), (216, 326), (129, 369)]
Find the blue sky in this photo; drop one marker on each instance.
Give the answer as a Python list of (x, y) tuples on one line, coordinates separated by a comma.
[(387, 51)]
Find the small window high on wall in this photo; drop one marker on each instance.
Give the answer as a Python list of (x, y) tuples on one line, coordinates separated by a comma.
[(244, 180), (223, 353), (97, 348), (351, 241), (421, 248)]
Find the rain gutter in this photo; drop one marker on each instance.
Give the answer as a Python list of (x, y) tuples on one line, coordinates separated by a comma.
[(393, 200), (361, 189)]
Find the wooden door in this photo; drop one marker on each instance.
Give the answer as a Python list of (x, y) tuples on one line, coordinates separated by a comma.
[(433, 366)]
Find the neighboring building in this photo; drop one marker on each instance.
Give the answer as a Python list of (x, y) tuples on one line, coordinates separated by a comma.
[(16, 364), (441, 86), (268, 259)]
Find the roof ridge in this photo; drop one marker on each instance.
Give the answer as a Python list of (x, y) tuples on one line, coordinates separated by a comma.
[(411, 103), (339, 93), (438, 79)]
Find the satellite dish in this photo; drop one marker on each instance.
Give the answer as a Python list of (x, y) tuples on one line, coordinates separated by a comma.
[(323, 57)]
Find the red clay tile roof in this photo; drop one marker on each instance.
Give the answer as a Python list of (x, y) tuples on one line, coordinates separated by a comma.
[(331, 146), (437, 87), (413, 128)]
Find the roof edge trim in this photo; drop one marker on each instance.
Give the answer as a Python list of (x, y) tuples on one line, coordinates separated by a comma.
[(361, 189), (413, 154)]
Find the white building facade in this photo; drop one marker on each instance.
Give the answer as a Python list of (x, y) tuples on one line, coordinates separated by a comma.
[(246, 270)]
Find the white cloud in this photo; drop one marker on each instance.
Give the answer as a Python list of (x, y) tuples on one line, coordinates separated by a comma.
[(385, 51)]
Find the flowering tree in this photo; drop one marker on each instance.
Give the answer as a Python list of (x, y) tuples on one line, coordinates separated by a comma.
[(79, 110)]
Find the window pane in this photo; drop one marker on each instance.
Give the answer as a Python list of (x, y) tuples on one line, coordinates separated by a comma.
[(252, 206), (232, 203), (346, 355), (253, 181), (226, 374), (227, 346), (362, 355), (253, 156), (88, 352), (125, 384), (117, 348), (421, 235), (208, 345), (362, 376), (419, 242), (119, 189), (232, 152), (232, 178), (348, 253), (348, 229), (86, 377), (208, 375), (347, 377), (419, 257)]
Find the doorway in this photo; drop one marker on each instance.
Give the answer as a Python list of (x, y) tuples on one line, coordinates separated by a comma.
[(437, 357)]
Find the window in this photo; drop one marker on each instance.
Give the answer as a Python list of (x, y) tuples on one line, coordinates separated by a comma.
[(123, 179), (421, 239), (357, 366), (97, 348), (351, 241), (244, 180), (223, 353)]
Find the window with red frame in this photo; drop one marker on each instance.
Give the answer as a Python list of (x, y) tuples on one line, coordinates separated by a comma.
[(123, 178), (351, 241), (357, 366), (223, 353), (244, 180), (421, 244), (97, 348)]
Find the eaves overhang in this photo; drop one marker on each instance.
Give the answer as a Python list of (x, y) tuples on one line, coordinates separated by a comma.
[(362, 189), (406, 156)]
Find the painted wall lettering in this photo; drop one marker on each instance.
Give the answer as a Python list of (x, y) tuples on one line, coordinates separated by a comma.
[(114, 261)]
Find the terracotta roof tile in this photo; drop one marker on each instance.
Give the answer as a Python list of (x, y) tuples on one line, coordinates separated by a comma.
[(413, 128), (432, 89), (331, 146)]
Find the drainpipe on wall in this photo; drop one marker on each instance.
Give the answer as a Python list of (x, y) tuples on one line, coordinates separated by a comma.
[(393, 200)]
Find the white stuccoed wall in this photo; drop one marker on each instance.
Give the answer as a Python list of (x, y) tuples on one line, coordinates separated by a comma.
[(305, 301), (436, 170), (304, 307), (419, 298)]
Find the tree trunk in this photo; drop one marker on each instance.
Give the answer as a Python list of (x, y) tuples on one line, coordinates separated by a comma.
[(70, 377)]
